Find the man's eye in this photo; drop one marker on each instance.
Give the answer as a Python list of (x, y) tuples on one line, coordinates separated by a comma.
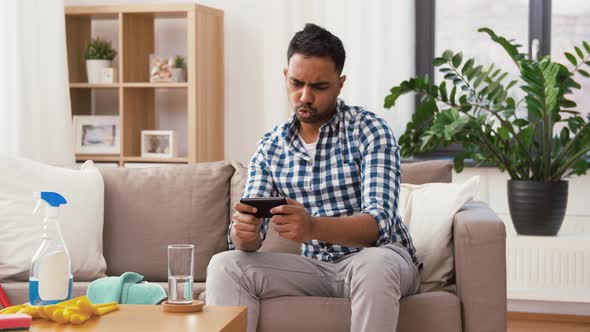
[(321, 87), (297, 83)]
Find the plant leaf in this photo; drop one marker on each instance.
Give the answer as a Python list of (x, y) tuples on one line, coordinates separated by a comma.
[(571, 58), (586, 46), (457, 59), (579, 52), (438, 62), (504, 133), (443, 91), (467, 67), (448, 55), (583, 73)]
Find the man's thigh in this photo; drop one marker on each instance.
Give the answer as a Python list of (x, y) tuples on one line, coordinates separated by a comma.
[(268, 275), (373, 266)]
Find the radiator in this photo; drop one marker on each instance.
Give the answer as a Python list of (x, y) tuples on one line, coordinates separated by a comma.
[(549, 268)]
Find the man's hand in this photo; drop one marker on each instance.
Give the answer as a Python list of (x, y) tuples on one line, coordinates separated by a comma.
[(293, 222), (246, 227)]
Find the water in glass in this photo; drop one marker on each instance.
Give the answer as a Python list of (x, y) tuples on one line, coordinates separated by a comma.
[(180, 289)]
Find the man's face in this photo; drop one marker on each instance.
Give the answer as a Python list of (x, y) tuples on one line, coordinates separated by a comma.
[(313, 85)]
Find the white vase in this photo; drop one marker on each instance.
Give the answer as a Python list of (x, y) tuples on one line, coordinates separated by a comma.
[(178, 75), (94, 69)]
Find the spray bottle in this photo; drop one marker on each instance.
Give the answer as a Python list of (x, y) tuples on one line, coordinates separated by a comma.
[(50, 278)]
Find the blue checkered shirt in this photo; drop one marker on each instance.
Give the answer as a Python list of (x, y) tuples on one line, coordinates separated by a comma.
[(356, 169)]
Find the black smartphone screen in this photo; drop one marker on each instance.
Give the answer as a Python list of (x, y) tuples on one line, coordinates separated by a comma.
[(264, 204)]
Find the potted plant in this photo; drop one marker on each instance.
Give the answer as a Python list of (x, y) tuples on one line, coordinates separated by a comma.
[(474, 107), (99, 54), (179, 70)]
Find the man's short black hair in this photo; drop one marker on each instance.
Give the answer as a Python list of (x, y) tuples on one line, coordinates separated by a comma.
[(314, 40)]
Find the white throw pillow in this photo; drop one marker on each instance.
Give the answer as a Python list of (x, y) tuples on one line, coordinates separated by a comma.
[(81, 220), (428, 211)]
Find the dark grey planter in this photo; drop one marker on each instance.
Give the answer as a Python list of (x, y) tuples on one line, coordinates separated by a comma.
[(537, 207)]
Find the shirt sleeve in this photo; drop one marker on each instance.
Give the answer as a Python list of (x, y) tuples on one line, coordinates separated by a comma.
[(380, 175), (258, 184)]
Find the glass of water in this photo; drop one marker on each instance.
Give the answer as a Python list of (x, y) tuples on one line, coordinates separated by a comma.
[(180, 273)]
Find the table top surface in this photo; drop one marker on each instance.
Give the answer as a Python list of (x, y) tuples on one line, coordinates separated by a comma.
[(153, 318)]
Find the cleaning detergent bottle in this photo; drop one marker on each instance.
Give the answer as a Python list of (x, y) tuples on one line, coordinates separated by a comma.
[(50, 279)]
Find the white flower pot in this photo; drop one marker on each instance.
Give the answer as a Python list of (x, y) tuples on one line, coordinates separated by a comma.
[(94, 69), (178, 75)]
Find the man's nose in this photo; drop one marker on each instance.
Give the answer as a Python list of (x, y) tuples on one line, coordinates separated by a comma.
[(306, 95)]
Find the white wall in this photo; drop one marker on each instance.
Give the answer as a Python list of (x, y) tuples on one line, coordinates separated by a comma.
[(380, 53)]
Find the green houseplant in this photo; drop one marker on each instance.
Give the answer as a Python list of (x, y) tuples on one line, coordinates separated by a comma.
[(473, 106), (179, 70), (99, 54)]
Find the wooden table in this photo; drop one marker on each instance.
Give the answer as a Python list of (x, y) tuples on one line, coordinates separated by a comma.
[(153, 318)]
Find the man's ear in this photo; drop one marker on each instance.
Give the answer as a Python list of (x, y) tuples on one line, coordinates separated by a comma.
[(341, 81), (285, 72)]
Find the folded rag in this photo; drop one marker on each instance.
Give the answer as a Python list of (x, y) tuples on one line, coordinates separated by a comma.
[(125, 289)]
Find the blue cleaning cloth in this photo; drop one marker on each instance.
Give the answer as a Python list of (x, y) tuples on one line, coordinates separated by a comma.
[(125, 289)]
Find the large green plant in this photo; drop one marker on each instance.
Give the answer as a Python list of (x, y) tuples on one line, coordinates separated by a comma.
[(472, 107), (99, 49)]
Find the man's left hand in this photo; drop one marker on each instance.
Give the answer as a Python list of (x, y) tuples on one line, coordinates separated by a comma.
[(293, 222)]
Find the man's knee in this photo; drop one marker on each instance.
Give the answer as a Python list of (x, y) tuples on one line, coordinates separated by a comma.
[(226, 263), (376, 266)]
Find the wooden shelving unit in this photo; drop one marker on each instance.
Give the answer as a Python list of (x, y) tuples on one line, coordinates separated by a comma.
[(136, 96)]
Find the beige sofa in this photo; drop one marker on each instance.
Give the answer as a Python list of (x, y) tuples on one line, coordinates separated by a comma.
[(147, 209)]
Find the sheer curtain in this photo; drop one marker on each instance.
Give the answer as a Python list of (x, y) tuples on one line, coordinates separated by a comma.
[(35, 114), (378, 36)]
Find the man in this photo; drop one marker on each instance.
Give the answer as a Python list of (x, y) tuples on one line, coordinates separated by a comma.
[(339, 168)]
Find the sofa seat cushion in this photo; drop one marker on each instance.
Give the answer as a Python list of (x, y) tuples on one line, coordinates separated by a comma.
[(147, 209), (435, 311), (18, 292)]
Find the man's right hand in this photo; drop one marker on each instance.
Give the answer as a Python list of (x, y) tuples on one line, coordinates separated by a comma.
[(245, 231)]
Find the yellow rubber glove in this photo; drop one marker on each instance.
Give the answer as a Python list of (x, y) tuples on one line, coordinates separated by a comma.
[(12, 309), (75, 311)]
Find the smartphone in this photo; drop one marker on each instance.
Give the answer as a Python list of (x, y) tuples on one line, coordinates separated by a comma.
[(264, 204)]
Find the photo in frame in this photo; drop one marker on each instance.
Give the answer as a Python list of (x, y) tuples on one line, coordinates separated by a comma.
[(97, 134), (161, 68), (158, 144)]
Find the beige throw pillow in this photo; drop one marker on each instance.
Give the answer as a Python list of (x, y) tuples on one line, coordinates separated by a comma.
[(428, 210), (81, 220)]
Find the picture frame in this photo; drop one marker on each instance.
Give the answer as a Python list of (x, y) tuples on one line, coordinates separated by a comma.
[(158, 144), (160, 68), (97, 134)]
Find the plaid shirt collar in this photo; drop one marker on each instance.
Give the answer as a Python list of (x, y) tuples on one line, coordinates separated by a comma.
[(291, 137)]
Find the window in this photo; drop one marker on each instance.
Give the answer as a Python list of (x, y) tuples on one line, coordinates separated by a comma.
[(451, 24), (456, 25), (570, 25)]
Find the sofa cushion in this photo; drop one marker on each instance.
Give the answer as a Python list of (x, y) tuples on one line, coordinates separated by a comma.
[(431, 227), (81, 219), (427, 172), (435, 311), (414, 173), (147, 209)]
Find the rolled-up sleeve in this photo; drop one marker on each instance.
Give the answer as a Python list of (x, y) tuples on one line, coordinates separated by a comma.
[(380, 175), (258, 184)]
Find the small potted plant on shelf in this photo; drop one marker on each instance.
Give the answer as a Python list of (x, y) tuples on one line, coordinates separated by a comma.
[(179, 70), (99, 54), (539, 139)]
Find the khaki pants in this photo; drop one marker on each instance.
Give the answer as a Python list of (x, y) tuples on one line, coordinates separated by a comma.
[(374, 279)]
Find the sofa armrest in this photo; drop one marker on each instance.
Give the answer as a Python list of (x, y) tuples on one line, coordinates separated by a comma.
[(480, 267)]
